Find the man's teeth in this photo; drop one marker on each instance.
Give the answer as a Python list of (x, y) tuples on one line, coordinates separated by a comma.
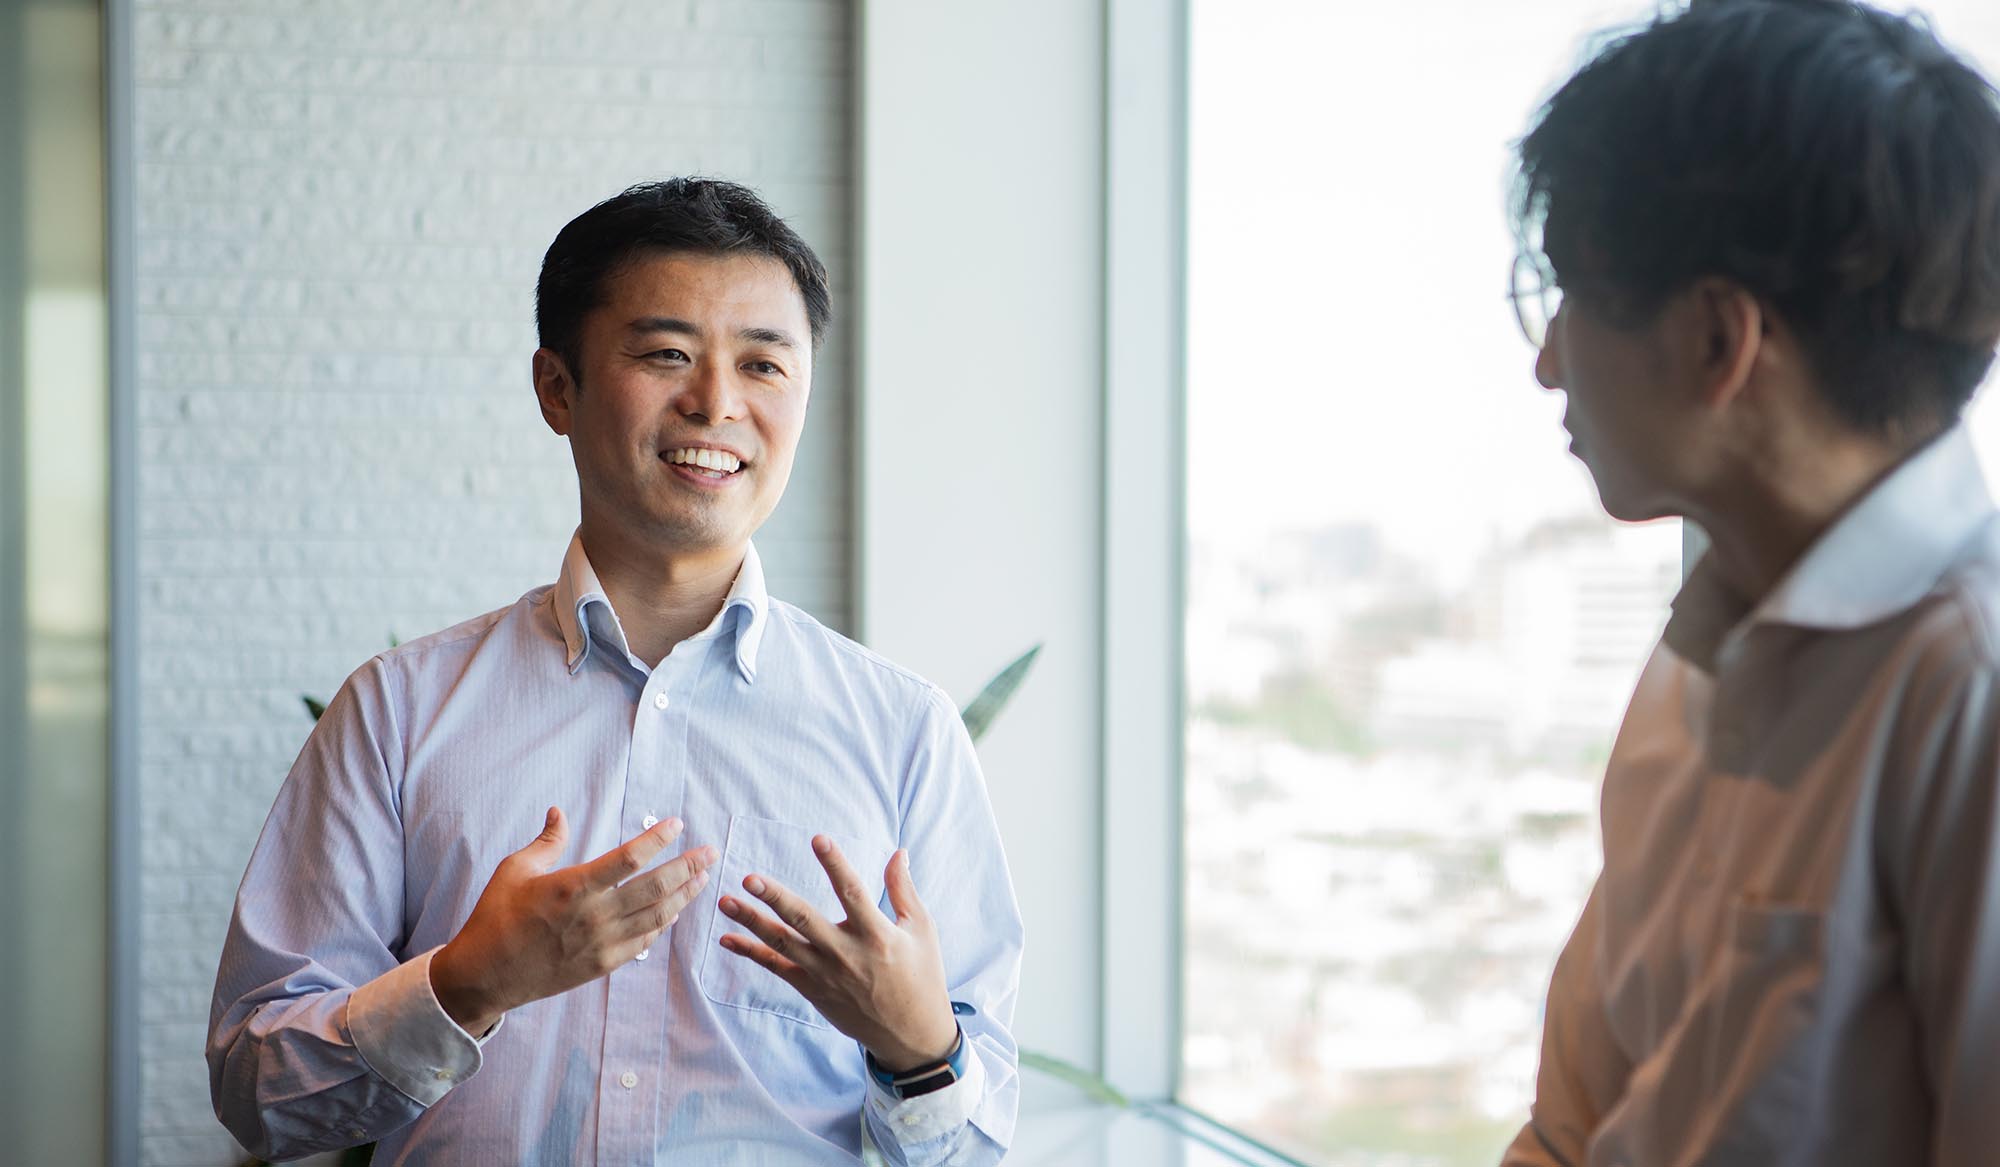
[(716, 460)]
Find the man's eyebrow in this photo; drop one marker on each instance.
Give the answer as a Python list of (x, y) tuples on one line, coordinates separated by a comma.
[(777, 337), (771, 336), (666, 324)]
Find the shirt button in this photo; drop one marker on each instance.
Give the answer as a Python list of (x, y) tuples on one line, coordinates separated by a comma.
[(628, 1079), (443, 1075), (643, 954), (648, 823), (660, 701), (911, 1119)]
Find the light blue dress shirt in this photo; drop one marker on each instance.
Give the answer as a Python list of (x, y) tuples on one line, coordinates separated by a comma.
[(438, 759)]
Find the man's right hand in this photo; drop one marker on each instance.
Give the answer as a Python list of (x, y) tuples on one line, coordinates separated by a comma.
[(537, 931)]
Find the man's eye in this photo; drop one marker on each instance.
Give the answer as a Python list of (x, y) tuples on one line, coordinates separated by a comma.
[(766, 368), (669, 354)]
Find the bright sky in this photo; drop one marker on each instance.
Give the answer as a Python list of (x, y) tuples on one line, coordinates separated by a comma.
[(1351, 352)]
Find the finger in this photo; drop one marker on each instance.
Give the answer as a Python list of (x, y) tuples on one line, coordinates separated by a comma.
[(847, 885), (791, 908), (789, 971), (775, 933), (625, 951), (903, 890), (544, 849), (652, 920), (631, 857), (640, 891), (662, 883)]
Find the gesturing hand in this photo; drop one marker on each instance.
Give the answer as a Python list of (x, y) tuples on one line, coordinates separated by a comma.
[(878, 980), (536, 932)]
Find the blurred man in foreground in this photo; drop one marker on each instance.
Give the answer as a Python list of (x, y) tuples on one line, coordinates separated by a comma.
[(1764, 239)]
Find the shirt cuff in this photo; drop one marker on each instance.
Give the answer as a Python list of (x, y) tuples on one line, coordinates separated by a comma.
[(934, 1115), (407, 1038)]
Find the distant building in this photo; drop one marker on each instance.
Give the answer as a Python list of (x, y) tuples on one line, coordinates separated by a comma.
[(1548, 644)]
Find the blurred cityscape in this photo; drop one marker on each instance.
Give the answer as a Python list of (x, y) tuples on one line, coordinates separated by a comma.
[(1391, 823)]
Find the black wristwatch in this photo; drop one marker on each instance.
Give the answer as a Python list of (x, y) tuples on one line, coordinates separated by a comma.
[(924, 1079)]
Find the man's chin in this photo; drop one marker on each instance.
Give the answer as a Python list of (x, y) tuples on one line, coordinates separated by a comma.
[(1629, 509), (679, 535), (698, 541)]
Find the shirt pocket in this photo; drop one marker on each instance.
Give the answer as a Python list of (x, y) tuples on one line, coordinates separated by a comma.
[(1757, 1054), (781, 851)]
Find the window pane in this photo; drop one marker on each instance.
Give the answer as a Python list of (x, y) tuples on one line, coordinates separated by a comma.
[(1411, 631), (54, 475)]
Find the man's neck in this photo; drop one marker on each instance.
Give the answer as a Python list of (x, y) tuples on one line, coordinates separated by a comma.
[(661, 600), (1764, 520)]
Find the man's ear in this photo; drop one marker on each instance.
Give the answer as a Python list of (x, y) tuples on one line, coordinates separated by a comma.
[(1729, 328), (555, 389)]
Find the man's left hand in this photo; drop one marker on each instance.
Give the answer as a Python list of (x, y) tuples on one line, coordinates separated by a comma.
[(878, 980)]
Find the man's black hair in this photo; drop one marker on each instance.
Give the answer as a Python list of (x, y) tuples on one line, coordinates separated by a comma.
[(702, 216), (1836, 161)]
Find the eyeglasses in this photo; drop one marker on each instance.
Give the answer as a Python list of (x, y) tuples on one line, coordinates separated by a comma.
[(1536, 296)]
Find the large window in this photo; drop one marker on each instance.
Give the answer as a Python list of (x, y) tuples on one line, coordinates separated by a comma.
[(1410, 630)]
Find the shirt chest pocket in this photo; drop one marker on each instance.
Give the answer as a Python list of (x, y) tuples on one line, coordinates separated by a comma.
[(783, 852), (1757, 1048)]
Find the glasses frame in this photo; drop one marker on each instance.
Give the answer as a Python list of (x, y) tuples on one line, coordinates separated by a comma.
[(1536, 296)]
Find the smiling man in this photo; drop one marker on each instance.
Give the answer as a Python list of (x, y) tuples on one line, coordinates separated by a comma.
[(1775, 227), (834, 946)]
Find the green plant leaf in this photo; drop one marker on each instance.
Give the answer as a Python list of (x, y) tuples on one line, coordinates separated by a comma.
[(979, 715), (318, 708), (1076, 1076)]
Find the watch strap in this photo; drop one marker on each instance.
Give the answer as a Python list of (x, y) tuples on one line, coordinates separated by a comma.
[(923, 1079)]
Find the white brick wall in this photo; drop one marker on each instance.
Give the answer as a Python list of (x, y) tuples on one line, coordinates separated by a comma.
[(341, 208)]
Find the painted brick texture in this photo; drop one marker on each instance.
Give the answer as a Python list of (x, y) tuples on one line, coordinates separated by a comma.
[(341, 209)]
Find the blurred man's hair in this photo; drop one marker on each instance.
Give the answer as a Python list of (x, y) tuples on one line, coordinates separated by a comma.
[(1836, 161)]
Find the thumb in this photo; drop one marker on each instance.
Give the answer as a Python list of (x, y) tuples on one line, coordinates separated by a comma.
[(547, 847), (903, 889)]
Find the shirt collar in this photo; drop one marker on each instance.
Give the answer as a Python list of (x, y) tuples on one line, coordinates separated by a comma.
[(1883, 555), (578, 596)]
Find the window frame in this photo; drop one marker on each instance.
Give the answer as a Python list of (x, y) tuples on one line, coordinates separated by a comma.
[(1144, 543)]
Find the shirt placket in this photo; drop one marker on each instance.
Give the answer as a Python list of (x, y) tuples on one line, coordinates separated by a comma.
[(630, 1085)]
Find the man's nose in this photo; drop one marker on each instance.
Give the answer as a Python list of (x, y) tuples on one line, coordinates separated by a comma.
[(1548, 363), (712, 394)]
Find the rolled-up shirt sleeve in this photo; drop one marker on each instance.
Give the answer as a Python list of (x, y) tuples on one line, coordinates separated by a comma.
[(961, 875), (321, 1035), (407, 1037), (929, 1117)]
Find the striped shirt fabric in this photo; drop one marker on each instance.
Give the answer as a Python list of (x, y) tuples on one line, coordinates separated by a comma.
[(438, 758)]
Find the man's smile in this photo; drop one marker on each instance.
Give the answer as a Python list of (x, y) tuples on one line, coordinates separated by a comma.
[(703, 464)]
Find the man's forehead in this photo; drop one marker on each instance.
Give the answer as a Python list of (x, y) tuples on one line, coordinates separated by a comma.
[(731, 278)]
